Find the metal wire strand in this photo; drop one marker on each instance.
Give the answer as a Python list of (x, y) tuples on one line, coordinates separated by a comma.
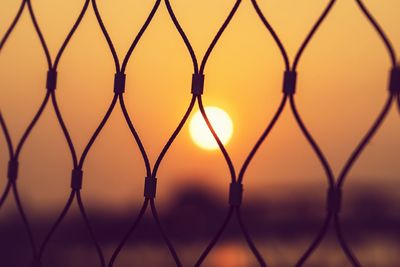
[(329, 174), (261, 139), (163, 234), (379, 30), (40, 35), (7, 136), (218, 35), (321, 157), (305, 42), (64, 129), (135, 135), (71, 33), (312, 33), (214, 41), (118, 67), (365, 141), (97, 132), (5, 193), (316, 242), (10, 147), (90, 229), (183, 35), (31, 125), (13, 24), (106, 35), (217, 139), (349, 254), (55, 226), (215, 239), (140, 34), (173, 136), (248, 238), (25, 220), (273, 33), (66, 40), (129, 233)]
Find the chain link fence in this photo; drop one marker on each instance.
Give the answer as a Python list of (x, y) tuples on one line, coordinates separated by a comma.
[(237, 173)]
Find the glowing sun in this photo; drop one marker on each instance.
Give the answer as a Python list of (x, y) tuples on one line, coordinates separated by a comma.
[(221, 123)]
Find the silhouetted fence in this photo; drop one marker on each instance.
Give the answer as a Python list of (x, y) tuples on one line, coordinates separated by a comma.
[(335, 184)]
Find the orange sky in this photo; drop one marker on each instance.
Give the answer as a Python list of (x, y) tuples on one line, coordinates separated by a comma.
[(342, 87)]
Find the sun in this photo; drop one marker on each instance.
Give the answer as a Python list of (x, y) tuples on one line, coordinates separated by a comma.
[(221, 122)]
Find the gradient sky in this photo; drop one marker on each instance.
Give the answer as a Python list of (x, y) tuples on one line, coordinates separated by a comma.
[(342, 86)]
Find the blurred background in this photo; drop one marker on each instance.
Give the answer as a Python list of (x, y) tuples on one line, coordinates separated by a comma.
[(342, 86)]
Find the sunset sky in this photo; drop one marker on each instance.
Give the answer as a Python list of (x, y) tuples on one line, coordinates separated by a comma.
[(342, 87)]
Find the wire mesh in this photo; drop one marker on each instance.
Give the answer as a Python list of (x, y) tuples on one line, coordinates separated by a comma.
[(335, 184)]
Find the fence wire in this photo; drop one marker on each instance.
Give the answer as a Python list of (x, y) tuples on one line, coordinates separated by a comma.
[(335, 184)]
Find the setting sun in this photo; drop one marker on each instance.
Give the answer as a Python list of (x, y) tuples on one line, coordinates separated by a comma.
[(221, 123)]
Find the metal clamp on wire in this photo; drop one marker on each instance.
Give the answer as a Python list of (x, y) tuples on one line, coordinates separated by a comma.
[(289, 82), (334, 201), (51, 82), (235, 194), (197, 84), (76, 179), (150, 187), (119, 82), (394, 85), (12, 172)]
